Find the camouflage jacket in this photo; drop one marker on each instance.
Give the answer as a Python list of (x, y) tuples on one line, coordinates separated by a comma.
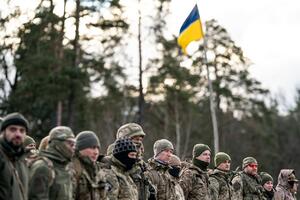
[(50, 177), (178, 189), (195, 183), (247, 187), (161, 180), (13, 172), (220, 185), (88, 179), (283, 188), (145, 188), (122, 184)]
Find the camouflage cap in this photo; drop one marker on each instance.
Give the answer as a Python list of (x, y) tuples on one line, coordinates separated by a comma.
[(130, 130), (161, 145), (292, 177), (247, 161), (221, 157), (28, 140), (61, 133)]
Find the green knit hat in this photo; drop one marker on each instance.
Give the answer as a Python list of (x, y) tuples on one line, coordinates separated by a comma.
[(28, 140), (199, 149), (247, 161), (221, 157), (265, 177)]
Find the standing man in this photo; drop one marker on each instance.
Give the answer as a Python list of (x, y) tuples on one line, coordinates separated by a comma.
[(88, 185), (220, 183), (286, 188), (194, 179), (135, 132), (123, 159), (13, 170), (158, 170), (50, 176), (247, 184)]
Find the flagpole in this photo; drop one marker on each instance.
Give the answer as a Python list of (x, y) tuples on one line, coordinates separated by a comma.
[(212, 101)]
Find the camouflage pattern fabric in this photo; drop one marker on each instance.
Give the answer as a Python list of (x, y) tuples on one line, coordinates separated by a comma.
[(122, 186), (194, 183), (161, 180), (283, 188), (247, 187), (220, 185)]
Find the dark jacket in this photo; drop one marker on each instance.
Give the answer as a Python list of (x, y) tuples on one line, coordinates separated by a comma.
[(13, 173)]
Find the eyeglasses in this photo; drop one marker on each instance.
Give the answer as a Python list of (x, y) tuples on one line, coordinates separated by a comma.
[(252, 165)]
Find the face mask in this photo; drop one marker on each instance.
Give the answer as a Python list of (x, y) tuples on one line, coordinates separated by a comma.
[(175, 171), (125, 160), (201, 164)]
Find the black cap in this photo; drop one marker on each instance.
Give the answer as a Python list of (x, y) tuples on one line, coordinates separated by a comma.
[(86, 139), (124, 145)]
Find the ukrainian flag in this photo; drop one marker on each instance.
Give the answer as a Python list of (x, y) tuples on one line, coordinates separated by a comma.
[(191, 29)]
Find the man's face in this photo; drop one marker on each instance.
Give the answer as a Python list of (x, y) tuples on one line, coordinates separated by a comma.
[(15, 135), (137, 139), (165, 155), (70, 145), (251, 169), (91, 152), (268, 186), (225, 166), (205, 156)]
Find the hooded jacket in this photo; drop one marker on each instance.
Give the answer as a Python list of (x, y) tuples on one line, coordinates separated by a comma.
[(283, 187)]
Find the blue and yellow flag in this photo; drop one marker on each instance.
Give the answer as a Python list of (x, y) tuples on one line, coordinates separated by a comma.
[(191, 29)]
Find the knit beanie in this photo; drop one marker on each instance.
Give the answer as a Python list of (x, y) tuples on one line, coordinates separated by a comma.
[(221, 157), (199, 149), (123, 145), (161, 145), (86, 139), (265, 177), (28, 140), (247, 161), (14, 119)]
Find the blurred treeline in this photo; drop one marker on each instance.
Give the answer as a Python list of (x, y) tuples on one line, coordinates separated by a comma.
[(74, 64)]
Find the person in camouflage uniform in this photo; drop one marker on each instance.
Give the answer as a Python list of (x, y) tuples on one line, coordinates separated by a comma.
[(287, 185), (158, 170), (174, 171), (122, 160), (267, 183), (247, 184), (137, 173), (89, 179), (194, 178), (31, 152), (50, 174), (13, 169), (220, 179)]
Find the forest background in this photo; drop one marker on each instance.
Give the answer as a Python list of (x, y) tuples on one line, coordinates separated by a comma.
[(73, 63)]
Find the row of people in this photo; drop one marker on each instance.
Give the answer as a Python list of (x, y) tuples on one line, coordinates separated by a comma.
[(69, 167)]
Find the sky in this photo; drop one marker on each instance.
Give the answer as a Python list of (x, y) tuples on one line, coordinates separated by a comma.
[(268, 31)]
